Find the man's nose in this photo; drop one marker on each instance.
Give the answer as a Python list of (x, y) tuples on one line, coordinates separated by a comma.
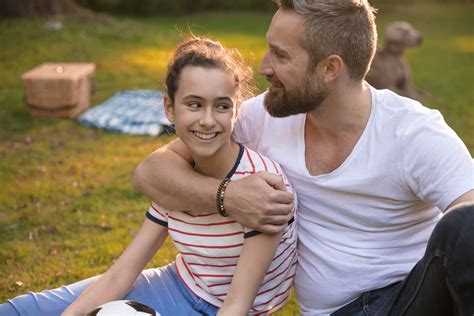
[(265, 68)]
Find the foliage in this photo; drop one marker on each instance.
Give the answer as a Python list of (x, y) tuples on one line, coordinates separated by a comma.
[(165, 7), (67, 209), (16, 8)]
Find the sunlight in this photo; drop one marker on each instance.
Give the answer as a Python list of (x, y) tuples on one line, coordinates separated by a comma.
[(464, 44), (152, 59)]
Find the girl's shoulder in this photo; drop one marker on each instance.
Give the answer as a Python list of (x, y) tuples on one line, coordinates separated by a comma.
[(250, 162)]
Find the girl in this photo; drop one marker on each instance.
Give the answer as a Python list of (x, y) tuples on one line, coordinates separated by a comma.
[(222, 268)]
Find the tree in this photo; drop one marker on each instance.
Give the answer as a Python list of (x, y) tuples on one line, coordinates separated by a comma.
[(35, 8)]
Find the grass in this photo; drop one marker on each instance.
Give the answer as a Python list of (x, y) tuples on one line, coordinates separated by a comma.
[(67, 208)]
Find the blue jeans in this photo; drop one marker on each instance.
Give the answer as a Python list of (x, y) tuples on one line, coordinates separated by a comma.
[(159, 288), (441, 283)]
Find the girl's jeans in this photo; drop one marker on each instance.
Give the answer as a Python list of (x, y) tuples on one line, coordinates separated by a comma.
[(160, 289)]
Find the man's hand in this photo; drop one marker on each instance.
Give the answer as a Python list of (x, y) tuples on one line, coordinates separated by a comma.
[(260, 202)]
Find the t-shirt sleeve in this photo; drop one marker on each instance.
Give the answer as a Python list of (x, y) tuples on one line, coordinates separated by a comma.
[(274, 167), (438, 166), (250, 118), (157, 214)]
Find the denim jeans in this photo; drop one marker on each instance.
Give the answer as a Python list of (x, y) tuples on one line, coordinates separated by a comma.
[(161, 289), (441, 283)]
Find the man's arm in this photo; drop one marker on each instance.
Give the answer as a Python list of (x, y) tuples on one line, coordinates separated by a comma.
[(259, 201), (466, 197), (167, 177)]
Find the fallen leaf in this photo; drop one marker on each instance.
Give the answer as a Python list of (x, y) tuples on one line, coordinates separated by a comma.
[(53, 251), (50, 229), (101, 226), (20, 206)]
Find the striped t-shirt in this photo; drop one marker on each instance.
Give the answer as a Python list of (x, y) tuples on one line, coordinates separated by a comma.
[(209, 246)]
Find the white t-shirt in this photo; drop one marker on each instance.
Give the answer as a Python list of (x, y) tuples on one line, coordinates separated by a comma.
[(364, 225)]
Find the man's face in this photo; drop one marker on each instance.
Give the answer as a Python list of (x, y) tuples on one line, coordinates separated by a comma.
[(294, 88)]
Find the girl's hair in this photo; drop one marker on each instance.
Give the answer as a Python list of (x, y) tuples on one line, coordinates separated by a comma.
[(204, 52)]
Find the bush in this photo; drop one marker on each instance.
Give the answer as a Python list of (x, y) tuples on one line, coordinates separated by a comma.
[(163, 7)]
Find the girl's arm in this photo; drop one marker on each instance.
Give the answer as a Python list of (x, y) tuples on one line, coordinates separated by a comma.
[(119, 279), (256, 256)]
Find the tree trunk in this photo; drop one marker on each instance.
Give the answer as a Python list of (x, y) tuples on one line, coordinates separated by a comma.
[(35, 8)]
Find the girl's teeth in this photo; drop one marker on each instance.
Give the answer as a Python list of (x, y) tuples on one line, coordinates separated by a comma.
[(205, 136)]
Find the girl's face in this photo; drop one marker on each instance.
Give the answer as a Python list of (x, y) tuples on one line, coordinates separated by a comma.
[(203, 110)]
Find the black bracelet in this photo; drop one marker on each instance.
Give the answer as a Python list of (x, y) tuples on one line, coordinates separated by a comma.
[(220, 197)]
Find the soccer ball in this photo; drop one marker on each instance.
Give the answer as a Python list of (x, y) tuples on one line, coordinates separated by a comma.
[(123, 308)]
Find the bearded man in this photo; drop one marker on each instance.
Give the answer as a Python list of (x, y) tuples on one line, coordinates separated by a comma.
[(374, 173)]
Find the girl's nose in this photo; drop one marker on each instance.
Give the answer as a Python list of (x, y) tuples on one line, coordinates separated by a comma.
[(207, 119)]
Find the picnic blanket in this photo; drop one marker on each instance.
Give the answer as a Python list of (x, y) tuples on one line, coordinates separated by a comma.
[(137, 112)]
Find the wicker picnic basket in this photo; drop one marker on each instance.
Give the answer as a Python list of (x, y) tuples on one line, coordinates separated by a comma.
[(59, 89)]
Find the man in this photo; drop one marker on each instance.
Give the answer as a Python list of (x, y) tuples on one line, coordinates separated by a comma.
[(373, 173)]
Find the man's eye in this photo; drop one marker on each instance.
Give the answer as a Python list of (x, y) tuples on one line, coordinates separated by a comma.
[(278, 54), (194, 105)]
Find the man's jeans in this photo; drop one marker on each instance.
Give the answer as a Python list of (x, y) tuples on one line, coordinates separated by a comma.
[(441, 283)]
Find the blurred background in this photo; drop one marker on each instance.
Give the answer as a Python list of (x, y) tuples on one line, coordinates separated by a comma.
[(67, 208)]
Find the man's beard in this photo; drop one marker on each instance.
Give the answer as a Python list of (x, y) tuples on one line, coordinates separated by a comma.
[(304, 98)]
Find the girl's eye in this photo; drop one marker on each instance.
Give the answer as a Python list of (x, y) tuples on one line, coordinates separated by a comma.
[(194, 105), (223, 107)]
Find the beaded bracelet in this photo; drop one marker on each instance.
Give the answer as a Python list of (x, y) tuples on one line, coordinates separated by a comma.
[(220, 197)]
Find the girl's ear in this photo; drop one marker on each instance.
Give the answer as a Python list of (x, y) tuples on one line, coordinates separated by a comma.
[(169, 108)]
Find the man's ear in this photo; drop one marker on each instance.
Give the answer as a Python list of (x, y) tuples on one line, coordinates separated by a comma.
[(169, 108), (330, 68)]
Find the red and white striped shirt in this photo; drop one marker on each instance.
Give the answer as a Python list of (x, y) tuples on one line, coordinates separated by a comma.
[(209, 246)]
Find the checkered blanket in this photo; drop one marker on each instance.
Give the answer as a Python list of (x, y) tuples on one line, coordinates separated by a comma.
[(137, 112)]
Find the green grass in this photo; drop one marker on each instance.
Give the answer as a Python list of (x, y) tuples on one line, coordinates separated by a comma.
[(67, 208)]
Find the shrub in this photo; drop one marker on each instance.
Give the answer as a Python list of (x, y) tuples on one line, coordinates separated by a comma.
[(163, 7)]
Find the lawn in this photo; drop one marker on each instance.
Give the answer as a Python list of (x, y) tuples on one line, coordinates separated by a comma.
[(67, 208)]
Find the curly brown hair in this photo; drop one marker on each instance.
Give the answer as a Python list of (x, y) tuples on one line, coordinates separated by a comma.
[(204, 52)]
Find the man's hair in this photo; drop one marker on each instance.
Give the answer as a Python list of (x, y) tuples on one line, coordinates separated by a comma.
[(342, 27), (206, 53)]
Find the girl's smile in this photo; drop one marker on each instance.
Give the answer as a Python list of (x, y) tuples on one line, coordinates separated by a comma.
[(205, 136)]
